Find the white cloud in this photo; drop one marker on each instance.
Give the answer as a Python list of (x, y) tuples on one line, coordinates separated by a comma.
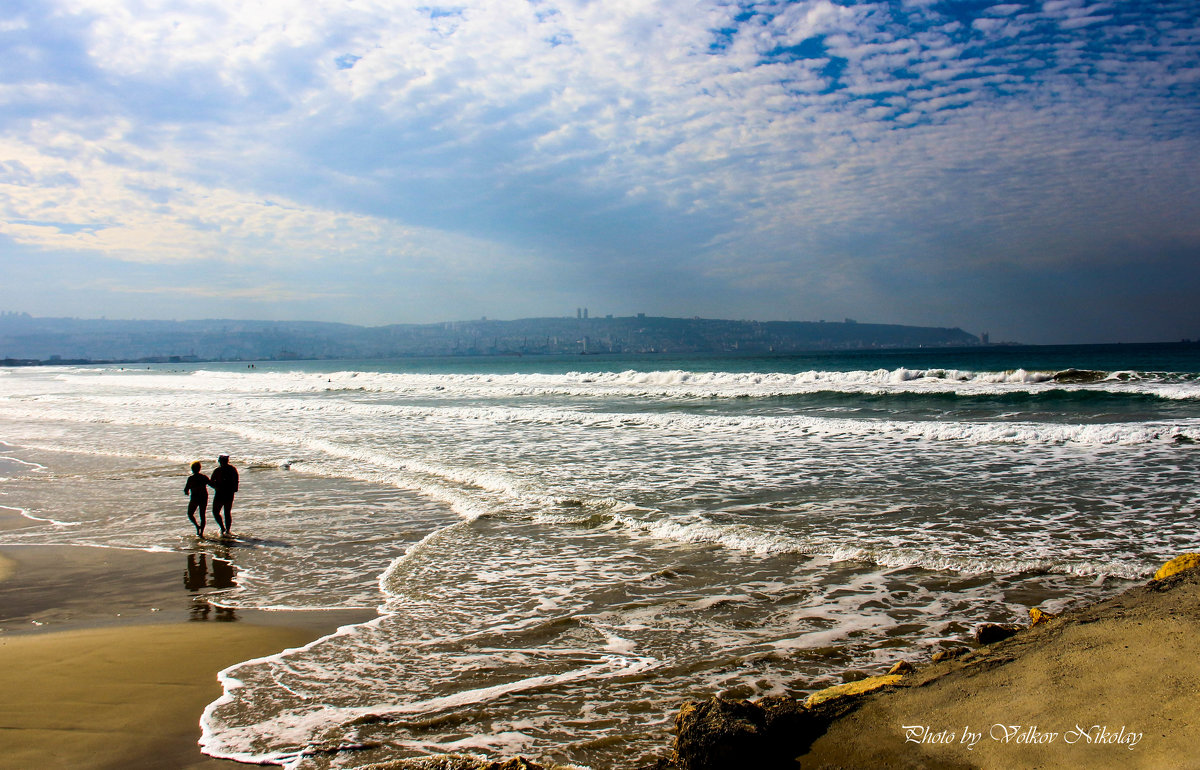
[(264, 293), (801, 21), (60, 190), (390, 132)]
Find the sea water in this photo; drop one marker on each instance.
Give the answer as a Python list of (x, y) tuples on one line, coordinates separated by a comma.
[(561, 550)]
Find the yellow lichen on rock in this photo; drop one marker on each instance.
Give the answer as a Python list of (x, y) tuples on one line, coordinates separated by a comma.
[(1178, 564), (1037, 616), (851, 688)]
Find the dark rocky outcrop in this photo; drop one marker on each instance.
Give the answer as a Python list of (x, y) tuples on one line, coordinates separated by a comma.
[(950, 654), (720, 734), (990, 633)]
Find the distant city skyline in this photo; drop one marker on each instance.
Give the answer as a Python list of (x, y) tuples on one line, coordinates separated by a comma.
[(1028, 169), (24, 339), (581, 313)]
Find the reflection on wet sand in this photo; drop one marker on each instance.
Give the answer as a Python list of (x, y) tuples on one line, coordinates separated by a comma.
[(205, 577), (53, 587)]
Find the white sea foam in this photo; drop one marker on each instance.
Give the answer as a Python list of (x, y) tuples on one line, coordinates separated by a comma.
[(784, 426), (26, 463), (671, 383), (25, 513), (306, 724), (298, 730), (742, 537), (152, 412)]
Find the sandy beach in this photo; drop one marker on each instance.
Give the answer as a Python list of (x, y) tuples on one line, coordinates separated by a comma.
[(108, 657)]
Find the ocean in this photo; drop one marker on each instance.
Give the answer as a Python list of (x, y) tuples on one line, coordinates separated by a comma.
[(561, 550)]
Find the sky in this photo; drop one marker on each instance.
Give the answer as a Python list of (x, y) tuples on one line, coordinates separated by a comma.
[(1026, 169)]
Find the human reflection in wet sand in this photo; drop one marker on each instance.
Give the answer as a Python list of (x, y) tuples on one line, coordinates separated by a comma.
[(196, 576), (203, 573)]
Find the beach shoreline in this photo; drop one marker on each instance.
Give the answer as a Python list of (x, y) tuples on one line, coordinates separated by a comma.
[(116, 672), (107, 661), (567, 557), (1106, 685), (107, 683)]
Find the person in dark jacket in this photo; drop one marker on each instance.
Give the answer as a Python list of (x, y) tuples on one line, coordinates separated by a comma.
[(224, 482), (197, 487)]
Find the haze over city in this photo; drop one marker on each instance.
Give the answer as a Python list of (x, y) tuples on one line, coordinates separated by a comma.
[(1028, 169)]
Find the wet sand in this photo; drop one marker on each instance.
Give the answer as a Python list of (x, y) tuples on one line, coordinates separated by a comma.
[(109, 657)]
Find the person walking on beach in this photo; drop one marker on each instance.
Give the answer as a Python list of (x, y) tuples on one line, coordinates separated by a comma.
[(197, 487), (224, 482)]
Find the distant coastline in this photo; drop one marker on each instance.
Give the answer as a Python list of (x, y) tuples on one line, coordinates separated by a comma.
[(30, 341)]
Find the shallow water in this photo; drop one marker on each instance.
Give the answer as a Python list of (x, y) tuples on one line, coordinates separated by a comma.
[(562, 550)]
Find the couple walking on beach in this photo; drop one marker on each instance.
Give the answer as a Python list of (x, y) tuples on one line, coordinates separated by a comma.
[(224, 481)]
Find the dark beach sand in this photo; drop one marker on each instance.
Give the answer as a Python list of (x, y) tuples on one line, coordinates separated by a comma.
[(108, 657)]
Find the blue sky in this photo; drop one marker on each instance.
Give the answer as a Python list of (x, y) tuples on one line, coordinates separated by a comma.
[(1031, 169)]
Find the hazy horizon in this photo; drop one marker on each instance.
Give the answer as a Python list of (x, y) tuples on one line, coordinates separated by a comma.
[(1026, 169), (559, 316), (214, 319), (992, 339)]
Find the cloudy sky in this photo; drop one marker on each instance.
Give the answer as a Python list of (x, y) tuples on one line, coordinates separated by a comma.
[(1031, 169)]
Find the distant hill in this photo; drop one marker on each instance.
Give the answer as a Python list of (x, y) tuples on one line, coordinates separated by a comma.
[(29, 339)]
